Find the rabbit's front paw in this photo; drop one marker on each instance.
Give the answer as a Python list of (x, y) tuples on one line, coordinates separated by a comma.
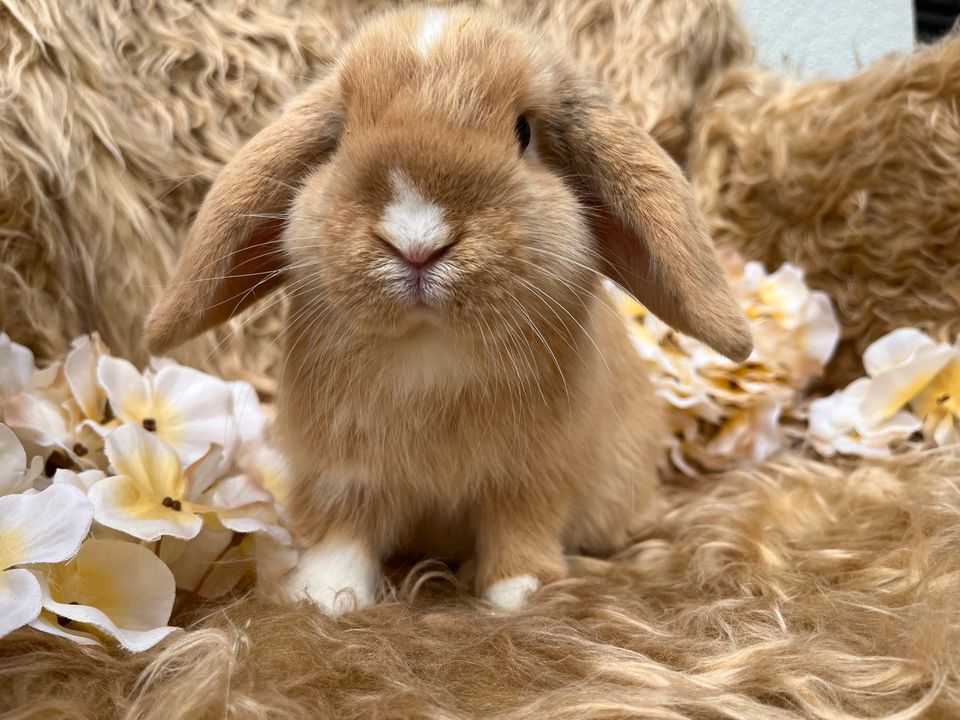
[(511, 593), (339, 575)]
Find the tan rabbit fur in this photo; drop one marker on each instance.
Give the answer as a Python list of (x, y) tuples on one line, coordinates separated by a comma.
[(457, 382)]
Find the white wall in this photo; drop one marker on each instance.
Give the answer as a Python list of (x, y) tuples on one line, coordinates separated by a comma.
[(828, 37)]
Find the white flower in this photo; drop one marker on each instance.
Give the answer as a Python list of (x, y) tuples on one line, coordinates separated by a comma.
[(55, 430), (249, 416), (839, 424), (16, 367), (15, 476), (217, 559), (80, 371), (725, 412), (110, 590), (908, 367), (905, 369), (151, 496), (185, 408), (44, 527), (753, 433)]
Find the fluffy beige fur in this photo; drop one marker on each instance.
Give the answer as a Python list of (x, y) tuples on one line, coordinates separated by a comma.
[(793, 590), (854, 180)]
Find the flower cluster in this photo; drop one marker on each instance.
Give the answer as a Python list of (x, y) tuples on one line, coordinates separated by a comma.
[(723, 412), (912, 386), (119, 489)]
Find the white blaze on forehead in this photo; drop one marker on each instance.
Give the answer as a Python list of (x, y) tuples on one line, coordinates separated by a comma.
[(431, 27), (410, 220)]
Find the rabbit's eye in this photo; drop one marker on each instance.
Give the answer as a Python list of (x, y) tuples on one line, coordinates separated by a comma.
[(522, 129)]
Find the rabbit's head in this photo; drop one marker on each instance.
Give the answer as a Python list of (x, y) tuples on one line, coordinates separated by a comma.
[(452, 169)]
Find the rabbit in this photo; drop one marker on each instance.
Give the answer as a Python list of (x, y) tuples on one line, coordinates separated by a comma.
[(444, 209)]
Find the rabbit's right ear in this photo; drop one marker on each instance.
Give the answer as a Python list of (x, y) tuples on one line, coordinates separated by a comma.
[(233, 254)]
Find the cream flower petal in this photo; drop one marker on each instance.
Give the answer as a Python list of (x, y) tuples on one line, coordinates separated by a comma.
[(238, 491), (821, 331), (197, 412), (895, 349), (44, 527), (754, 433), (193, 565), (47, 622), (268, 467), (250, 418), (37, 419), (240, 522), (127, 390), (16, 366), (144, 458), (82, 480), (946, 432), (120, 504), (893, 388), (20, 599), (120, 588), (80, 368), (203, 473), (13, 462)]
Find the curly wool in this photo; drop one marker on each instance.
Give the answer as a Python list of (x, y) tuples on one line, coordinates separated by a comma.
[(794, 590), (116, 118), (854, 180)]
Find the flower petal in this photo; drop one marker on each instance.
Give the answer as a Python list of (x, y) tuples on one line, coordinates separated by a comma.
[(152, 464), (250, 418), (238, 491), (43, 527), (203, 473), (48, 622), (80, 368), (194, 411), (894, 349), (193, 565), (119, 588), (120, 504), (82, 480), (13, 462), (37, 420), (16, 366), (893, 388), (20, 599), (127, 390)]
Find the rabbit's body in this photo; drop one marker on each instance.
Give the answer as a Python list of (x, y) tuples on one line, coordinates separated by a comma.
[(416, 440), (442, 209)]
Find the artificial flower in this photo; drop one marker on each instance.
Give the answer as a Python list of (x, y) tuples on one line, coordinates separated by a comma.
[(55, 430), (840, 424), (721, 412), (151, 495), (44, 527), (185, 408), (912, 385), (16, 367), (111, 590), (15, 475)]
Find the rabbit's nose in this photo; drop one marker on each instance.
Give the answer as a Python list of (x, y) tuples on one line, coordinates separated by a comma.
[(420, 257), (420, 253)]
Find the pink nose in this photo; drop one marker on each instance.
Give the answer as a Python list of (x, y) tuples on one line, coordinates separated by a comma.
[(417, 255), (420, 256)]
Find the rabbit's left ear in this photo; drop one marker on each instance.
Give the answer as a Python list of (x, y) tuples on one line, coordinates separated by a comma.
[(649, 231), (234, 254)]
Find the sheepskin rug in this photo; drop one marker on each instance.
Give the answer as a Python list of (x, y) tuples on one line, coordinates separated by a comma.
[(790, 589)]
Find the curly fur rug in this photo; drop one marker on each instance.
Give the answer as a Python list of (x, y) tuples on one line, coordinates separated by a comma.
[(792, 589)]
